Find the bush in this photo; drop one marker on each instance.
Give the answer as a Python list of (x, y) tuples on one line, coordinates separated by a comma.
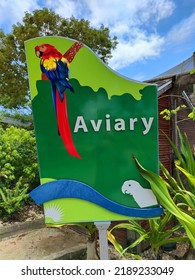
[(18, 168)]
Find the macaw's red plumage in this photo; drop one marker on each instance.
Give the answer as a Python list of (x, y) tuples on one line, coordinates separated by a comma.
[(55, 68)]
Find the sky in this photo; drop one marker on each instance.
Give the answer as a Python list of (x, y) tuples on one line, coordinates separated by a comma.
[(153, 35)]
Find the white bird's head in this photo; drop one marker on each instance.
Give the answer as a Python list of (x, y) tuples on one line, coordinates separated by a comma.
[(130, 186)]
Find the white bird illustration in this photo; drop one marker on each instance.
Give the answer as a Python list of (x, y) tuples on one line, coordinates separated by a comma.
[(143, 197)]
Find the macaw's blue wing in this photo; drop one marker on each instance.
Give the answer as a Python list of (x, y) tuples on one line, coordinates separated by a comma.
[(59, 78), (63, 70), (62, 85)]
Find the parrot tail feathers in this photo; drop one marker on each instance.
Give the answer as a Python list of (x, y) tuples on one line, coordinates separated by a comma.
[(64, 127)]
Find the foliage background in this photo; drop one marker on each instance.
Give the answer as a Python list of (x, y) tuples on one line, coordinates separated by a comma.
[(18, 167)]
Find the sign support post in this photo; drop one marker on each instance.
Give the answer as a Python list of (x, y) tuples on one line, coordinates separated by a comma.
[(103, 239)]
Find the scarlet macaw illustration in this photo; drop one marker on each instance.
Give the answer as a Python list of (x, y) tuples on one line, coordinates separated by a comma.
[(55, 67)]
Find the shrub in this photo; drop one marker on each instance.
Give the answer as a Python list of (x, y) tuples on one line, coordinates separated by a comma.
[(18, 168)]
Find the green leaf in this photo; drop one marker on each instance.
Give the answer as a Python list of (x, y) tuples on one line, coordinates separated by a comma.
[(136, 242), (190, 177), (172, 182), (132, 225), (2, 195), (175, 149), (114, 242), (160, 189)]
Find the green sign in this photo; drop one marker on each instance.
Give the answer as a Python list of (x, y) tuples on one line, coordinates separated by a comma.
[(89, 121)]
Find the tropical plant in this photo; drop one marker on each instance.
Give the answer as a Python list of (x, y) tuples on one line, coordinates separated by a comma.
[(155, 232), (163, 191), (183, 189)]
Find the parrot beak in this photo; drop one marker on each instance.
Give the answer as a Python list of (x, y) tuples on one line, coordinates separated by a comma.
[(38, 53)]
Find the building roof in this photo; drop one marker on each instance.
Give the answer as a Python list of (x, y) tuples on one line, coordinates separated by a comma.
[(165, 80)]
